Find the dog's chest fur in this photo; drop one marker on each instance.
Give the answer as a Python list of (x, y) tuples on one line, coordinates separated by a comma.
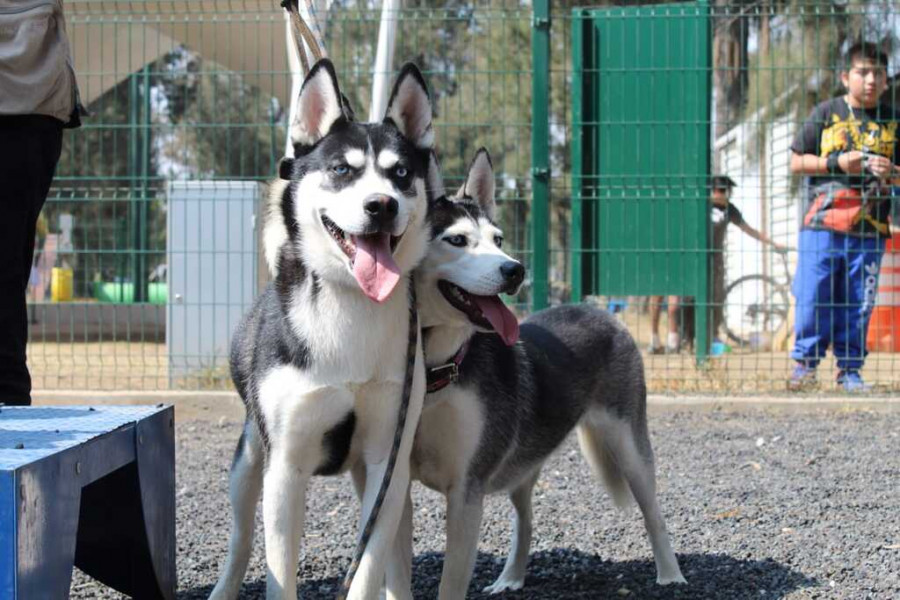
[(307, 367)]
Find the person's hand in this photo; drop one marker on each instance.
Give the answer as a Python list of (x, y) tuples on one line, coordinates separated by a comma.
[(852, 162), (879, 166)]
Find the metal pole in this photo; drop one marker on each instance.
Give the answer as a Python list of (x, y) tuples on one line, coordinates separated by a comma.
[(133, 173), (576, 149), (384, 59), (540, 152), (140, 282)]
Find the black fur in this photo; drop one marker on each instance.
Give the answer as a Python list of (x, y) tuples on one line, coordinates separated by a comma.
[(336, 445), (536, 391), (444, 212)]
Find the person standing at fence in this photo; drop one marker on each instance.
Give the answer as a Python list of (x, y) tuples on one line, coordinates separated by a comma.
[(722, 212), (39, 98), (848, 149)]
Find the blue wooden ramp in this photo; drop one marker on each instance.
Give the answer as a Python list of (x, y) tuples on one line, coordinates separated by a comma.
[(87, 486)]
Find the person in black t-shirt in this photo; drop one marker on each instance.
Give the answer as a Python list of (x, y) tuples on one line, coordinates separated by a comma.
[(722, 212), (848, 150)]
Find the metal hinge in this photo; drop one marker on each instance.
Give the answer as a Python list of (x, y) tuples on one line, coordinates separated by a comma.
[(540, 172), (540, 22)]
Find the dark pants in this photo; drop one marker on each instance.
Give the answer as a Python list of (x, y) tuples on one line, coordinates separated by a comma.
[(29, 149)]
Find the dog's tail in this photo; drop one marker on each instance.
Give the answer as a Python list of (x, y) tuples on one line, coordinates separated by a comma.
[(602, 444)]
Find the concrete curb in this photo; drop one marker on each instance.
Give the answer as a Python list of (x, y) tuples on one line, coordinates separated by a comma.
[(218, 405)]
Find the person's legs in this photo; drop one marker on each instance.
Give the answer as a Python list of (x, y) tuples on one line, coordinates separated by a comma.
[(29, 150), (861, 286), (655, 310), (673, 341), (717, 311), (813, 288)]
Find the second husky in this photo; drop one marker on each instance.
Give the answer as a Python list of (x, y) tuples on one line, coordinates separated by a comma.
[(505, 406)]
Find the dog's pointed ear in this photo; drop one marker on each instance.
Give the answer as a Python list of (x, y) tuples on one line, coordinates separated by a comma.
[(479, 184), (319, 107), (434, 180), (410, 107)]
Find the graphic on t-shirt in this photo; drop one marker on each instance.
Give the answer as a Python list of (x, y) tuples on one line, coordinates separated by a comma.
[(852, 134)]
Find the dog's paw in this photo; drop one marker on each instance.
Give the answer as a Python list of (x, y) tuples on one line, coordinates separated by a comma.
[(670, 579), (504, 585)]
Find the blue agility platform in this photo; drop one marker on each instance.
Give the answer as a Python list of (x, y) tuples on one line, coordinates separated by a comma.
[(92, 487)]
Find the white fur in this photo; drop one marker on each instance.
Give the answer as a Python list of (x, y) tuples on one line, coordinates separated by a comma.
[(274, 232), (387, 159), (356, 158)]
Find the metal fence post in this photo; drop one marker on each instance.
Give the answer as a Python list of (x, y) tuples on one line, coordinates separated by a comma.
[(540, 152)]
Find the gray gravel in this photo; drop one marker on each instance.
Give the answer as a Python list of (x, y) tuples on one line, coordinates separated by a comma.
[(760, 504)]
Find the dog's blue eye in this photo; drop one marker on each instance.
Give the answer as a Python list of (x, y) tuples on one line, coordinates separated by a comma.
[(499, 241), (341, 169), (401, 171), (456, 240)]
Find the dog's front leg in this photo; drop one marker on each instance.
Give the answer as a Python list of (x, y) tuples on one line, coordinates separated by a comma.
[(464, 510), (371, 574), (244, 486), (284, 510), (399, 568)]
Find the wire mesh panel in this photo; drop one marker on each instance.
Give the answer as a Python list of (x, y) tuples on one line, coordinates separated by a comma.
[(771, 63), (180, 91), (198, 92)]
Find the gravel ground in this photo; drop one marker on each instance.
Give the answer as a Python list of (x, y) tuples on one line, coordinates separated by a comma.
[(760, 504)]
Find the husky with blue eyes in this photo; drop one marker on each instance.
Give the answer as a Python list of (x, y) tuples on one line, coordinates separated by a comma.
[(501, 398), (321, 358)]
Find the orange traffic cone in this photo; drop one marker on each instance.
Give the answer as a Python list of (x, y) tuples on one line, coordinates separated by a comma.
[(884, 326)]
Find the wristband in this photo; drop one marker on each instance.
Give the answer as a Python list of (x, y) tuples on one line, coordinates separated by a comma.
[(832, 164)]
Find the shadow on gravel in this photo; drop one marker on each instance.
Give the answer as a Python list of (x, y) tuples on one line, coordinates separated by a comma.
[(563, 574)]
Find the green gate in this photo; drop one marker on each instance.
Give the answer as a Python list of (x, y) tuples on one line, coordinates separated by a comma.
[(641, 153)]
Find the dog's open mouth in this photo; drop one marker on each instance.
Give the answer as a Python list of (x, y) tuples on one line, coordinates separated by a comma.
[(346, 242), (371, 259), (487, 312)]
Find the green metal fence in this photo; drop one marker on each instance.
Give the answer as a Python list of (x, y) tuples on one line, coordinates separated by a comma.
[(189, 105)]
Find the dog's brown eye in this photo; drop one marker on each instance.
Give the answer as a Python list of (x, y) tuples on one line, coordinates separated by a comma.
[(456, 240)]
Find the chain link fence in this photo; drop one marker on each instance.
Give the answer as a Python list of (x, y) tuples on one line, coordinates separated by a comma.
[(148, 247)]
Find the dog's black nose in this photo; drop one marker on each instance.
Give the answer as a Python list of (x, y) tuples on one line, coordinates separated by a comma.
[(514, 273), (381, 207)]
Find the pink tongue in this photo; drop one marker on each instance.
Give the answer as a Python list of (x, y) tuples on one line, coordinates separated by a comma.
[(504, 322), (374, 266)]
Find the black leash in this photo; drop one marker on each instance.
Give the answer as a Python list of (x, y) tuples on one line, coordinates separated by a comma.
[(395, 449)]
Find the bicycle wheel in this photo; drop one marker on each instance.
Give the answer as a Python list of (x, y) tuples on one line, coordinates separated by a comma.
[(755, 306)]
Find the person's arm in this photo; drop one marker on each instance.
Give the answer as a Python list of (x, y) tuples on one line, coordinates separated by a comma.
[(811, 164), (760, 236)]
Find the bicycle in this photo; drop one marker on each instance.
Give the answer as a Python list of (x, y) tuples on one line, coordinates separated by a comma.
[(763, 318)]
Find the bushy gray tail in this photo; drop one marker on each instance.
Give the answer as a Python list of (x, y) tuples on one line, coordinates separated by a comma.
[(597, 436)]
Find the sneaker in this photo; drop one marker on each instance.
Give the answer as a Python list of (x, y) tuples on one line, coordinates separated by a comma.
[(651, 349), (852, 381), (802, 376)]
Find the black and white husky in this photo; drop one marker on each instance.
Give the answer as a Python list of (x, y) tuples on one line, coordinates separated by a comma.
[(320, 359), (513, 404)]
